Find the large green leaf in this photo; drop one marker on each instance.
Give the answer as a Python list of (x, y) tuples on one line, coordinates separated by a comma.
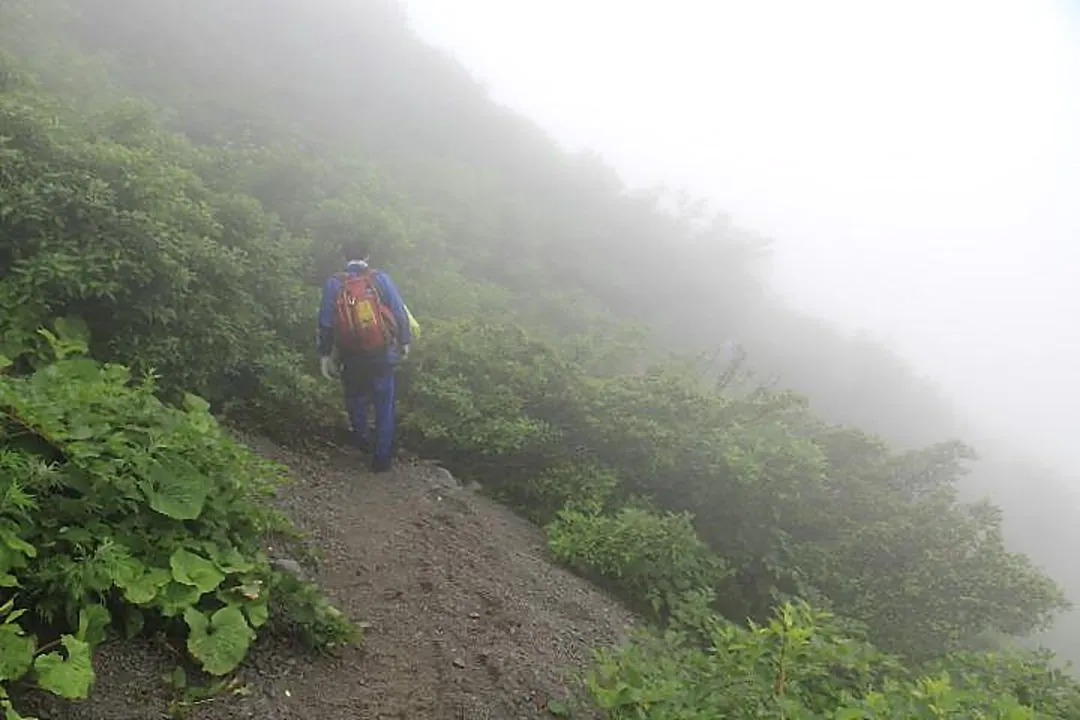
[(176, 489), (220, 642), (230, 560), (176, 597), (145, 587), (258, 612), (69, 677), (94, 620), (195, 570), (16, 652)]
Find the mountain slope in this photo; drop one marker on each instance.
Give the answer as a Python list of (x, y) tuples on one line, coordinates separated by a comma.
[(575, 387), (509, 207), (198, 256)]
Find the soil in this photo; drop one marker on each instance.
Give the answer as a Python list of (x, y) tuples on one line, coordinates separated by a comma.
[(464, 617)]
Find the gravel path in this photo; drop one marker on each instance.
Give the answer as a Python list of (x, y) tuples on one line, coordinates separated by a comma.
[(465, 618)]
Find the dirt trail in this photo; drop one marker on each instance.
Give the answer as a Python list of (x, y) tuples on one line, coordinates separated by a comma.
[(465, 617)]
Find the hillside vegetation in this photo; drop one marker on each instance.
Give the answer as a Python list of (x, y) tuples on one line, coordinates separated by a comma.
[(175, 179)]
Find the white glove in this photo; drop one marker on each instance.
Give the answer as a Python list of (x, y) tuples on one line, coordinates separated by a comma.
[(326, 366), (404, 352)]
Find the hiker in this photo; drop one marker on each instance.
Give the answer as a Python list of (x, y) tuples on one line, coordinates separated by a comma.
[(363, 318)]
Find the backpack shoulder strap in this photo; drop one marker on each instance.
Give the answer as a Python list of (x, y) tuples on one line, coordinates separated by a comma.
[(372, 275)]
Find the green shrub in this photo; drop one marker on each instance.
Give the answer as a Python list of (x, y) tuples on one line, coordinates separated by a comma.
[(106, 217), (475, 394), (799, 666), (653, 559), (119, 514), (575, 486)]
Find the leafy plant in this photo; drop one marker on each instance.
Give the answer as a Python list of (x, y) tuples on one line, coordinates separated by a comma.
[(120, 512), (654, 559), (573, 485), (799, 666)]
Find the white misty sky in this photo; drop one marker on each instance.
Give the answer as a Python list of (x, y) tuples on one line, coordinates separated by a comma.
[(917, 162)]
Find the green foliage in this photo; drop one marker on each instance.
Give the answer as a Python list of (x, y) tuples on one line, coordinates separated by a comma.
[(478, 393), (1031, 677), (799, 666), (793, 506), (575, 486), (192, 243), (654, 559), (106, 217), (119, 513)]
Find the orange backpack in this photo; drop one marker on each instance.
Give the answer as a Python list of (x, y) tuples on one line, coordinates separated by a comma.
[(362, 321)]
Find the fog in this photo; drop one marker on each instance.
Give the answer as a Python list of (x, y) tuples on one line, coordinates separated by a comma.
[(913, 166), (915, 163)]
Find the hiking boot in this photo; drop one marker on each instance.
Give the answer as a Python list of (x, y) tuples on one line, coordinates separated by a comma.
[(380, 465)]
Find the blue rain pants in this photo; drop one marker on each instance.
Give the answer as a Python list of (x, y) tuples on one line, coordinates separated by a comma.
[(365, 384)]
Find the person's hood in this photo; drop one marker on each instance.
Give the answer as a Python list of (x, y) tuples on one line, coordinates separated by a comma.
[(355, 266)]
